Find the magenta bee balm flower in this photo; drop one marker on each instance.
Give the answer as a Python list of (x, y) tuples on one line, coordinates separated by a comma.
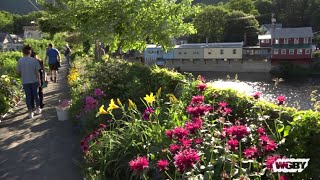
[(163, 165), (139, 164)]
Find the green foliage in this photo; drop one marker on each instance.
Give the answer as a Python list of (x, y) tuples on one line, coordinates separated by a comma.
[(239, 23), (8, 63), (6, 22), (246, 6), (210, 23), (126, 24)]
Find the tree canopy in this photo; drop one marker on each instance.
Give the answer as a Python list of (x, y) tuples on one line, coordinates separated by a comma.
[(126, 24)]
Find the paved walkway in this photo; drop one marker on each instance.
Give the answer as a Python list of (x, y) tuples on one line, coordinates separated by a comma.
[(42, 148)]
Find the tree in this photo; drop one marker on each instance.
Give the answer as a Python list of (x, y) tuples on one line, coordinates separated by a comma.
[(210, 23), (24, 20), (126, 24), (265, 9), (247, 6), (240, 25), (6, 22)]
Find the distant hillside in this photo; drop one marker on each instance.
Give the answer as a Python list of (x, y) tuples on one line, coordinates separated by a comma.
[(18, 6)]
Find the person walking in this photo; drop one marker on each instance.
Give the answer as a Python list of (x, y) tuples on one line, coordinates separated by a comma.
[(67, 53), (54, 61), (43, 79), (28, 68)]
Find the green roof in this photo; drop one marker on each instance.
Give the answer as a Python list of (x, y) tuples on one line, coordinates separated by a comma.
[(292, 46)]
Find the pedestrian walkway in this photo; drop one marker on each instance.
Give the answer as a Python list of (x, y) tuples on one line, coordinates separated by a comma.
[(41, 148)]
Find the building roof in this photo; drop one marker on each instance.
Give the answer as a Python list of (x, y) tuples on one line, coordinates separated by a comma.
[(211, 45), (292, 32), (3, 37), (269, 26)]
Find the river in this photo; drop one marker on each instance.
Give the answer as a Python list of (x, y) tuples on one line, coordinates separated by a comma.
[(297, 90)]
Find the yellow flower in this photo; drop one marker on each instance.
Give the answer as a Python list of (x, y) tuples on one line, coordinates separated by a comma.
[(101, 111), (172, 99), (132, 105), (112, 106), (150, 99), (119, 102)]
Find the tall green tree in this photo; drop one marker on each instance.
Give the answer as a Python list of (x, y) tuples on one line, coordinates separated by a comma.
[(241, 27), (6, 22), (265, 9), (126, 24), (247, 6), (210, 24)]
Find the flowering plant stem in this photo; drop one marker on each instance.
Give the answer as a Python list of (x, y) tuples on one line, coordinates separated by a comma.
[(168, 175), (240, 157)]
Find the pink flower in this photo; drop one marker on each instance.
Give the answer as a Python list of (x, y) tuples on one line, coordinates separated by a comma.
[(197, 99), (85, 148), (223, 104), (174, 148), (198, 110), (267, 144), (139, 164), (147, 112), (270, 160), (233, 143), (250, 153), (202, 87), (102, 126), (237, 131), (281, 100), (197, 141), (261, 131), (98, 92), (185, 142), (257, 95), (90, 103), (169, 133), (283, 177), (186, 159), (194, 126), (163, 165), (180, 132)]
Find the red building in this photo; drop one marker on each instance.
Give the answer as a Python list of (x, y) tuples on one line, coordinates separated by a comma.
[(288, 43)]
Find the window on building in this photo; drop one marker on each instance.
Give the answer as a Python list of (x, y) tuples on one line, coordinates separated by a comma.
[(296, 40), (283, 51), (276, 51), (179, 52), (285, 40), (267, 40), (262, 40), (307, 51), (299, 51), (157, 52), (29, 35), (221, 51), (306, 40), (291, 51), (234, 51), (185, 53), (209, 52), (276, 41)]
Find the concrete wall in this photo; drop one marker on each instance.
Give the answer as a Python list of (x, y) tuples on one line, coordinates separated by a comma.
[(220, 65)]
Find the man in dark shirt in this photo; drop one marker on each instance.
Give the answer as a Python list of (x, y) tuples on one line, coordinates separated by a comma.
[(54, 61)]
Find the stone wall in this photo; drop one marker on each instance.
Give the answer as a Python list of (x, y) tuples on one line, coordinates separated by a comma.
[(220, 65)]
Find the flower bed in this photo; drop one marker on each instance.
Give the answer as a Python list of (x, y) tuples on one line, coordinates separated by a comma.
[(199, 132)]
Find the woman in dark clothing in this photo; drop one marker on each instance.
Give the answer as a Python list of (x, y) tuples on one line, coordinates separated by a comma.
[(42, 76)]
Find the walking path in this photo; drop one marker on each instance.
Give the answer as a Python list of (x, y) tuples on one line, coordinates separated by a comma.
[(41, 148)]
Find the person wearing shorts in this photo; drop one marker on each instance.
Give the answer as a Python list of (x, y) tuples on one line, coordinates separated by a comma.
[(53, 57)]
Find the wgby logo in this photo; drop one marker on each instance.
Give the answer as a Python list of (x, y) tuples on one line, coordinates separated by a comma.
[(290, 165)]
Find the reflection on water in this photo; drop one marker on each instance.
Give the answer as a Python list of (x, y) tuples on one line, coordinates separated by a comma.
[(297, 91)]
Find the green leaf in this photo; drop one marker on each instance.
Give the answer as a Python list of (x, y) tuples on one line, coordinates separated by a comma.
[(286, 130), (280, 128)]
